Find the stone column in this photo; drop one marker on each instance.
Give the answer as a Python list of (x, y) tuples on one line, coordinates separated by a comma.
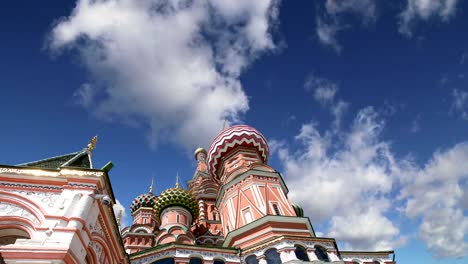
[(80, 211)]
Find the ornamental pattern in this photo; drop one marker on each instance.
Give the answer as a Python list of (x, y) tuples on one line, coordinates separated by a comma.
[(8, 209), (176, 196), (233, 137), (46, 199), (143, 200)]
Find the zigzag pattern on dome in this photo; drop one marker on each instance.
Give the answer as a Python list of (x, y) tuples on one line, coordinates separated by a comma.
[(241, 135)]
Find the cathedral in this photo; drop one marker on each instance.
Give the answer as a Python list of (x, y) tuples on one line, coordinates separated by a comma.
[(235, 210)]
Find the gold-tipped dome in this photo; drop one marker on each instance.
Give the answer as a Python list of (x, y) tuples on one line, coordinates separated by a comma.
[(199, 150), (176, 197)]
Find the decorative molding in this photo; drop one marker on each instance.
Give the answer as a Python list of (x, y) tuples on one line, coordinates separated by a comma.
[(46, 199), (9, 209), (30, 186), (39, 172)]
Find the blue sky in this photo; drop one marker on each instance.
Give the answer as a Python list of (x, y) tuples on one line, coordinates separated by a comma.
[(364, 103)]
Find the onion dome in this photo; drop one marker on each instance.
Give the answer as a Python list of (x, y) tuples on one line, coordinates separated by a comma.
[(176, 197), (229, 139), (143, 200), (197, 151), (298, 209)]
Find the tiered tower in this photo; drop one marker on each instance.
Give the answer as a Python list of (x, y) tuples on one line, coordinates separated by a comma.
[(142, 233), (253, 199), (177, 209), (208, 228)]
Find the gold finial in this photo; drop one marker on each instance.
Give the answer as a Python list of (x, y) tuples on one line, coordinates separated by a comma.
[(151, 186), (92, 143), (177, 181), (119, 217)]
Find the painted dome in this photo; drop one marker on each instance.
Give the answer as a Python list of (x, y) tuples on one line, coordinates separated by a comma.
[(143, 200), (176, 197), (199, 150), (232, 137)]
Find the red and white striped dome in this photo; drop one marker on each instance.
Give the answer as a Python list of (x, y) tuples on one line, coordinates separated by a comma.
[(232, 137)]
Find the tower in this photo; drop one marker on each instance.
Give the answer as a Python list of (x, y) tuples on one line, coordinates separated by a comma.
[(252, 199), (141, 234), (208, 228)]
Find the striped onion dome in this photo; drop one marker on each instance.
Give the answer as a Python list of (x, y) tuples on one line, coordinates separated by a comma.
[(143, 200), (229, 139), (176, 197)]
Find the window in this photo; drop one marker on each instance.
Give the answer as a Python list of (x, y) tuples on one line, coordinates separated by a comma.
[(301, 253), (247, 215), (252, 259), (376, 262), (277, 211), (144, 220), (218, 261), (196, 261), (165, 261), (178, 218), (227, 227), (321, 254), (272, 256), (214, 216)]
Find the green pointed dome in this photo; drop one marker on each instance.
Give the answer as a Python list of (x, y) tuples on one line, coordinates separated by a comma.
[(176, 197), (143, 200)]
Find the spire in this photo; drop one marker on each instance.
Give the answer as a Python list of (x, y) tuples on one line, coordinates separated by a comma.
[(177, 181), (92, 144), (151, 186), (119, 218)]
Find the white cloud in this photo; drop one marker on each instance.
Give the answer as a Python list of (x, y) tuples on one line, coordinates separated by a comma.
[(118, 207), (460, 103), (330, 21), (172, 65), (85, 94), (437, 194), (325, 93), (424, 10), (351, 175), (358, 182), (326, 33)]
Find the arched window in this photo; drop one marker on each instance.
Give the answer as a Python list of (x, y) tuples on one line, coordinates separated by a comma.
[(272, 256), (321, 254), (218, 261), (8, 236), (252, 259), (165, 261), (376, 262), (301, 253), (196, 261)]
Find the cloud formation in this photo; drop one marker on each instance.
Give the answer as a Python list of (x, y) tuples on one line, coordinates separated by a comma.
[(333, 16), (424, 10), (331, 20), (437, 194), (118, 208), (359, 182), (324, 92), (172, 66)]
